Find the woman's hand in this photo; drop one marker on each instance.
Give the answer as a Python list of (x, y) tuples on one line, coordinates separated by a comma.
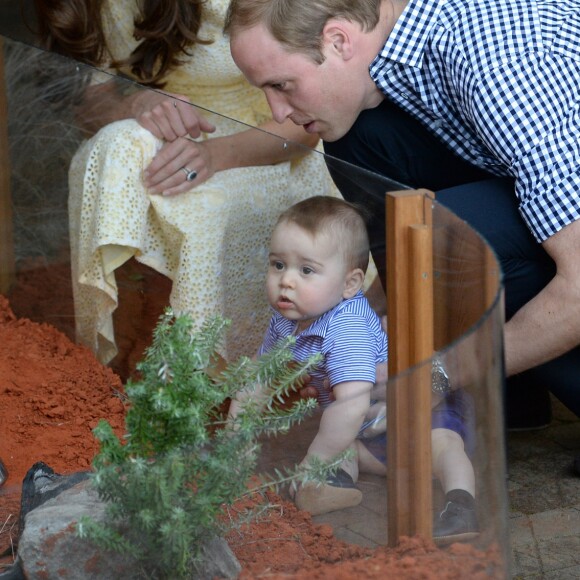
[(176, 161), (168, 116), (181, 163)]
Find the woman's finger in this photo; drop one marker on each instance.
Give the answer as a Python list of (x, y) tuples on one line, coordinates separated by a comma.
[(192, 121)]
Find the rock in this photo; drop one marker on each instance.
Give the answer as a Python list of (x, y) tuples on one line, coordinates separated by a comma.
[(49, 547)]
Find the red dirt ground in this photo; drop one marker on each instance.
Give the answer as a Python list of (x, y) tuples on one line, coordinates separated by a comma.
[(53, 392)]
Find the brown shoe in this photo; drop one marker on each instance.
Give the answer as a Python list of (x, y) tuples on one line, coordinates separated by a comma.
[(339, 492)]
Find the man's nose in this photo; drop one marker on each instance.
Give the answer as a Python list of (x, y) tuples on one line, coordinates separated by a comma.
[(280, 108)]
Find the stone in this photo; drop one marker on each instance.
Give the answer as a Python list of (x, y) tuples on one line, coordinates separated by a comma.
[(50, 548)]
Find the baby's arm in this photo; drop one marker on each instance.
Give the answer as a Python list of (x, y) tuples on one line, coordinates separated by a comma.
[(241, 398), (376, 416), (341, 420)]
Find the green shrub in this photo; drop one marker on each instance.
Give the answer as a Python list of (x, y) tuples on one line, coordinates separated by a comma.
[(180, 461)]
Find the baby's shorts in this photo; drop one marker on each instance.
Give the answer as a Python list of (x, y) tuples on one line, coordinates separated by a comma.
[(455, 412)]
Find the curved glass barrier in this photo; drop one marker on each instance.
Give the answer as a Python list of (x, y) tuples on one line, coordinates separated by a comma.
[(43, 220)]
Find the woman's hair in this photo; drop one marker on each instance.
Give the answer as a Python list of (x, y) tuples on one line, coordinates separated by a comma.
[(166, 31), (344, 221), (298, 24)]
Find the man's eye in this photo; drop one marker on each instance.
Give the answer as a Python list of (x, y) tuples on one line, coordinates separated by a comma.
[(279, 86)]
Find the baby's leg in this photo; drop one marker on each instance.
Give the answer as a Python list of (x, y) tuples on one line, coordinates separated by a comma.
[(350, 465), (339, 491), (367, 462), (450, 462), (451, 465)]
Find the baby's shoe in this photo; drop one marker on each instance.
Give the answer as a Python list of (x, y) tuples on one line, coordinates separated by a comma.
[(456, 523), (339, 492)]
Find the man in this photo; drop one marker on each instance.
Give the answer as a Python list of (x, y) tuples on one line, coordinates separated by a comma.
[(478, 100)]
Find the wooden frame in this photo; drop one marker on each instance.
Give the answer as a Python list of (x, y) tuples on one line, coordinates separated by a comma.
[(409, 238)]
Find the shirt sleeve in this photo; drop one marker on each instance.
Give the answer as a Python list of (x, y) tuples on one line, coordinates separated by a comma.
[(528, 112), (350, 350)]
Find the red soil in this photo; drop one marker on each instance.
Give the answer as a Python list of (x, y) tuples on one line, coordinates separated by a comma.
[(53, 392)]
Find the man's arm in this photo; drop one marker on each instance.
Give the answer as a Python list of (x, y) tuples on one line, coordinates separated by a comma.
[(341, 420), (549, 324)]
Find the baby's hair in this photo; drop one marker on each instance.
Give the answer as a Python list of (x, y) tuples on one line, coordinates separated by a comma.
[(344, 221)]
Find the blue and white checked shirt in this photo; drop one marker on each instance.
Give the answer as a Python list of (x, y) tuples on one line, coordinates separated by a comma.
[(349, 336), (498, 81)]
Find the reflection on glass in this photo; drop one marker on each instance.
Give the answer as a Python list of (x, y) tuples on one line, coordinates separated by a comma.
[(81, 211)]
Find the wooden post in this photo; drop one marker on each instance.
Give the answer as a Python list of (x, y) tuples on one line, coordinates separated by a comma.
[(410, 320), (6, 241), (421, 346)]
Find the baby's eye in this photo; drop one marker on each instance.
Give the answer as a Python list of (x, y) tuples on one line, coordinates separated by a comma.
[(306, 270), (277, 265)]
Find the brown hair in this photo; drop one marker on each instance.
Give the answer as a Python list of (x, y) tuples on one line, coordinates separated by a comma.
[(298, 24), (166, 30), (344, 221)]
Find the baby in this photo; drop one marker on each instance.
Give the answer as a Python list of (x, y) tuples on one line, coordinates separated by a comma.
[(319, 252)]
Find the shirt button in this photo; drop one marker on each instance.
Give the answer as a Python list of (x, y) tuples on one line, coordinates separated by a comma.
[(405, 96)]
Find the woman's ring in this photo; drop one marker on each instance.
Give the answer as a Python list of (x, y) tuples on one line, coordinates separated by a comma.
[(190, 174)]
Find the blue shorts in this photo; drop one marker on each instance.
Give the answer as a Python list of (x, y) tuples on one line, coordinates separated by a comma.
[(455, 412)]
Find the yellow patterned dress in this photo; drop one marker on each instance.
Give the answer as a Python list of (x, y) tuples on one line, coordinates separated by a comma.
[(212, 241)]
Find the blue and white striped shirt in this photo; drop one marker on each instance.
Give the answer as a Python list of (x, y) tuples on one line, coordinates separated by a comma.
[(349, 336), (498, 81)]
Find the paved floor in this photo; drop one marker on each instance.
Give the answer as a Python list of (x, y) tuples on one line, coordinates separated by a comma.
[(543, 519), (545, 499)]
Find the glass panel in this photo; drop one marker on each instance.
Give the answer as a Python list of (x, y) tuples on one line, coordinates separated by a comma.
[(205, 251)]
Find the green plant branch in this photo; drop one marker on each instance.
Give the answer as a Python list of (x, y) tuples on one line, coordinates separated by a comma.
[(167, 481)]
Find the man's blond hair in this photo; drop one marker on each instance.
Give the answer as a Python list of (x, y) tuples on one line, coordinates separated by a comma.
[(344, 222), (298, 24)]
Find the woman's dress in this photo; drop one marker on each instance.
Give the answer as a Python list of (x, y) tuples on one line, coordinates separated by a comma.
[(212, 241)]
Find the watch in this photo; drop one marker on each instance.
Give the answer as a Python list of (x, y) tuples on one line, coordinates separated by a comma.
[(439, 378)]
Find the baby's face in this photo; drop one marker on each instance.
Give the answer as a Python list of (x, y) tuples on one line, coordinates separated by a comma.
[(306, 274)]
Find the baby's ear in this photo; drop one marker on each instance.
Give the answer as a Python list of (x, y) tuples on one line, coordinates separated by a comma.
[(353, 283)]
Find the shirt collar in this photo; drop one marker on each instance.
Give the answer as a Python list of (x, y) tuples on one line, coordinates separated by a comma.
[(406, 43), (319, 326)]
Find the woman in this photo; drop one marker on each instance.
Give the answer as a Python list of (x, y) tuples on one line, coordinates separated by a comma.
[(157, 182)]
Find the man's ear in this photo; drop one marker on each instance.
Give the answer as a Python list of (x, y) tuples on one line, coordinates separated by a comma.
[(353, 283), (337, 36)]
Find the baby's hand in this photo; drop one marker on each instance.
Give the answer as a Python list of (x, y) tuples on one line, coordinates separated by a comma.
[(307, 391), (375, 421)]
